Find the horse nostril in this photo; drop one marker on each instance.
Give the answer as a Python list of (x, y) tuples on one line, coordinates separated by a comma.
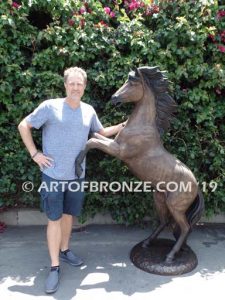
[(114, 99)]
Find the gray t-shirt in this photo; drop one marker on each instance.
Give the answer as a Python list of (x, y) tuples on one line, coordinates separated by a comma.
[(64, 134)]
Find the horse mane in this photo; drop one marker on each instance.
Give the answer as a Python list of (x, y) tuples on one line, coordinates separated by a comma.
[(159, 84)]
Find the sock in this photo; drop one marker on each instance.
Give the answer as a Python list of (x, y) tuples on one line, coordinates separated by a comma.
[(55, 268), (65, 251)]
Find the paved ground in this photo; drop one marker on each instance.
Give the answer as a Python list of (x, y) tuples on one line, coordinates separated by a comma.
[(108, 272)]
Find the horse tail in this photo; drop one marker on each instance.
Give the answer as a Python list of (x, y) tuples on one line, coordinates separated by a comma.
[(196, 209), (193, 213)]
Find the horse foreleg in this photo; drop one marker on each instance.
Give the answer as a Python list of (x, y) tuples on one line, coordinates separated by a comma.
[(100, 137), (163, 212), (108, 146)]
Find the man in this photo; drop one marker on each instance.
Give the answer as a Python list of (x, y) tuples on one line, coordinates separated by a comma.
[(66, 123)]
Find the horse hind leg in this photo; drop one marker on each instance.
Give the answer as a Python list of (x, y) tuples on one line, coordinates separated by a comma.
[(163, 213), (177, 210)]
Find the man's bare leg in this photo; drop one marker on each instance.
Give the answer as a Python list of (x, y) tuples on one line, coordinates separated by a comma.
[(67, 255), (54, 237), (66, 229)]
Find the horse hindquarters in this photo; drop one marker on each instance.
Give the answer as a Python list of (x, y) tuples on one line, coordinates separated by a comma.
[(184, 211), (193, 213)]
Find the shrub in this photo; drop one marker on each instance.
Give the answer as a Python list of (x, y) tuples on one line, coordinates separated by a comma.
[(39, 39)]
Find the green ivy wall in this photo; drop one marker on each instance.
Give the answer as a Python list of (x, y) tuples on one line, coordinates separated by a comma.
[(39, 39)]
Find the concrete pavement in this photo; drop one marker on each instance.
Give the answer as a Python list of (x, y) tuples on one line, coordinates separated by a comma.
[(108, 272)]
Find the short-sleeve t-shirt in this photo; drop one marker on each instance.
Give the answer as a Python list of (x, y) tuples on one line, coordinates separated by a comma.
[(64, 134)]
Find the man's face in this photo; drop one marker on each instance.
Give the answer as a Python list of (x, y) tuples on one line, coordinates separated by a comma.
[(75, 86)]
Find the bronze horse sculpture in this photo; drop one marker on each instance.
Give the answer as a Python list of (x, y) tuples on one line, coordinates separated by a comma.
[(139, 146)]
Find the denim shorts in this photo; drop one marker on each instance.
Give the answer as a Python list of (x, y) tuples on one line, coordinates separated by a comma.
[(61, 197)]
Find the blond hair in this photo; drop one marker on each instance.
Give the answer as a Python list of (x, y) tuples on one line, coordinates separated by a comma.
[(74, 70)]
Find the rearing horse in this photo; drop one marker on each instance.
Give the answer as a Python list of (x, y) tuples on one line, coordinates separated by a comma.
[(138, 144)]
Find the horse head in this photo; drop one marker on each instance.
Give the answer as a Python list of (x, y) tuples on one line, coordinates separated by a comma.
[(149, 83), (132, 90)]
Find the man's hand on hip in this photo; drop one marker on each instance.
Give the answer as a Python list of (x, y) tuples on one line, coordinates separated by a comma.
[(43, 160)]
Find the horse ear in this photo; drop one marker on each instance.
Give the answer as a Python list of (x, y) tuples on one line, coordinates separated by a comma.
[(136, 72)]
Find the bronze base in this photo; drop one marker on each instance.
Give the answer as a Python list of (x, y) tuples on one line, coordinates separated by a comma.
[(152, 259)]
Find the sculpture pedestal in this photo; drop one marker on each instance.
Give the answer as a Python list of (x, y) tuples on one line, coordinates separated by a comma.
[(152, 259)]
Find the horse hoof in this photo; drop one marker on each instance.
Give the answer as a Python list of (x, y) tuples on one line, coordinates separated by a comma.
[(168, 261), (184, 248), (145, 244)]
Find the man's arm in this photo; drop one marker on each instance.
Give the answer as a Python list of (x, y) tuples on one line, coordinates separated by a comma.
[(111, 130), (25, 131)]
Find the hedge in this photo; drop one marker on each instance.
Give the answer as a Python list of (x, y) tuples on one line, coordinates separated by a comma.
[(39, 39)]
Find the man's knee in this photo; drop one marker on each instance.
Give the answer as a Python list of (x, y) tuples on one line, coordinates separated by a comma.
[(54, 219)]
